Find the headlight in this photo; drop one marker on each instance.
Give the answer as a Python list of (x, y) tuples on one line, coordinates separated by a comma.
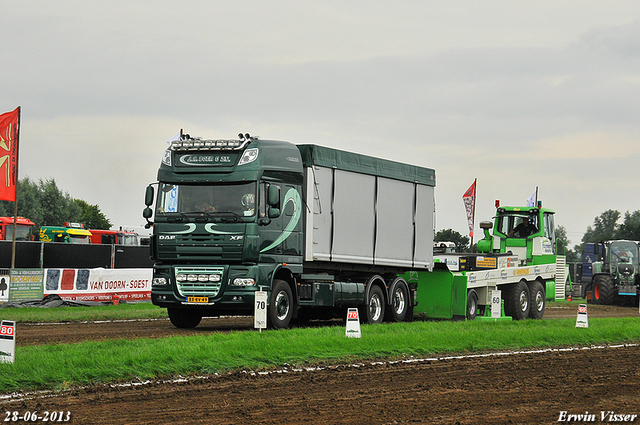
[(243, 281), (159, 281)]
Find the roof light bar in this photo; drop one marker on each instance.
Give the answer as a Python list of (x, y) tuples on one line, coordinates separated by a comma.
[(207, 145)]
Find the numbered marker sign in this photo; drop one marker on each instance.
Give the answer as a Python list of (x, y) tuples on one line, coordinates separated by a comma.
[(260, 310), (582, 321), (496, 304), (353, 323), (7, 341)]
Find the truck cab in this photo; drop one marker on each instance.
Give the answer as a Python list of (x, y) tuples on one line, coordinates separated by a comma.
[(527, 232), (24, 229), (74, 233), (114, 237), (226, 219)]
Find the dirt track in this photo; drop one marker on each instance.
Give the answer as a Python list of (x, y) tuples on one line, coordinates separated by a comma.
[(522, 388)]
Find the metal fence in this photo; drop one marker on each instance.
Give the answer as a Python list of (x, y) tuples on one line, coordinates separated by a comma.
[(47, 255)]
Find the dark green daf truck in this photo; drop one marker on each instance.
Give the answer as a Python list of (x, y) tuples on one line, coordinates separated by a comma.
[(319, 229)]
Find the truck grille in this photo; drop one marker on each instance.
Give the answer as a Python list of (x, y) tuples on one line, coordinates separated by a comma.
[(210, 248), (199, 281)]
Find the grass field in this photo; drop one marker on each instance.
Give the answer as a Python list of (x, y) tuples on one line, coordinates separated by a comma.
[(64, 365), (144, 310)]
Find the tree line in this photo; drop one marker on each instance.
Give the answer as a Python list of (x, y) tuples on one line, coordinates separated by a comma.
[(46, 205)]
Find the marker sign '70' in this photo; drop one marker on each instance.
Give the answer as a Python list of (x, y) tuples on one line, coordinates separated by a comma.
[(260, 310)]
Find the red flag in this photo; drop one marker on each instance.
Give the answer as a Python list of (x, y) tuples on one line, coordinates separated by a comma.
[(9, 123), (469, 199)]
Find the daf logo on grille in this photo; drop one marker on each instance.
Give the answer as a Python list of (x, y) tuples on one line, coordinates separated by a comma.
[(166, 237)]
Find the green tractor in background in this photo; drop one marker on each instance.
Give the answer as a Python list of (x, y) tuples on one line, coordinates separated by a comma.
[(615, 272)]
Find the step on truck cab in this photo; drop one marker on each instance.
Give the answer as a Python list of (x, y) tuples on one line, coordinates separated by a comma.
[(319, 229)]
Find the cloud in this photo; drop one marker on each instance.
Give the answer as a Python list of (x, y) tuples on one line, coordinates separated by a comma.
[(517, 95)]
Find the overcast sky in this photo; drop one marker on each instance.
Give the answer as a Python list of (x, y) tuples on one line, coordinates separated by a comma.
[(516, 94)]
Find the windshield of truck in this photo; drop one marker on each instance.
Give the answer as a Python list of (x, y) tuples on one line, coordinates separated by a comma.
[(129, 240), (23, 233), (517, 225), (624, 252), (238, 200), (79, 239)]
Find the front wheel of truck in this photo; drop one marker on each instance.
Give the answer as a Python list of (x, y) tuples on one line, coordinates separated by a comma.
[(183, 318), (280, 305)]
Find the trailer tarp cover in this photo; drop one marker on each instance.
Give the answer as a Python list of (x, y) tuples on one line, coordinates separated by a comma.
[(349, 161)]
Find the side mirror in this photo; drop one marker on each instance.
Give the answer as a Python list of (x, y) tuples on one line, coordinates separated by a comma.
[(273, 197), (486, 225), (148, 196), (274, 212), (147, 213)]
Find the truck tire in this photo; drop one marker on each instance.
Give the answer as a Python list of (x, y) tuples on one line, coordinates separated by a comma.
[(399, 301), (604, 292), (373, 311), (472, 304), (516, 301), (183, 318), (537, 300), (280, 305)]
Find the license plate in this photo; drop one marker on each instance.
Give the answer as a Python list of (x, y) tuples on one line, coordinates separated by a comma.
[(197, 300)]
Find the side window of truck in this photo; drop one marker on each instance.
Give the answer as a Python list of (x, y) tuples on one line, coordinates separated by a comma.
[(289, 208), (262, 200)]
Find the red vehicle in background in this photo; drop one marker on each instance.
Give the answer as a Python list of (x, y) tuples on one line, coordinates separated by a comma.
[(24, 229), (114, 237)]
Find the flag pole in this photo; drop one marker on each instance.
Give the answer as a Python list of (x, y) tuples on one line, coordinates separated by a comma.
[(15, 202), (473, 211)]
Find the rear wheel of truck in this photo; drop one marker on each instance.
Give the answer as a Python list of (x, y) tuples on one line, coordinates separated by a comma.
[(373, 311), (472, 304), (399, 303), (537, 300), (516, 301), (183, 318), (280, 305), (604, 291)]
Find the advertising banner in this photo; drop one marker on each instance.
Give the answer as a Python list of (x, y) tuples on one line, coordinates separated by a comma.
[(4, 285), (25, 284), (99, 284)]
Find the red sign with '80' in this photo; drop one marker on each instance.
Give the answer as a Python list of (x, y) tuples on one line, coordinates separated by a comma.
[(7, 330)]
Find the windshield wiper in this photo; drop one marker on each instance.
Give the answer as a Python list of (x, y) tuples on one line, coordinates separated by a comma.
[(225, 215), (176, 216)]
